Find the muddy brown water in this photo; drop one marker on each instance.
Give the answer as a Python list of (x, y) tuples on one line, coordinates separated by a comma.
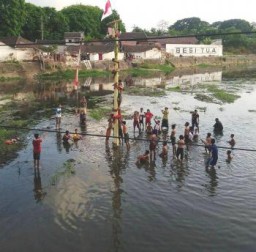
[(110, 204)]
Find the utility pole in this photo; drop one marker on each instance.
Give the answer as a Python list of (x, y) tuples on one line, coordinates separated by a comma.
[(42, 28)]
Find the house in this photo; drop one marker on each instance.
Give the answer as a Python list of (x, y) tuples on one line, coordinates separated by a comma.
[(162, 42), (185, 50), (94, 51), (144, 51), (73, 38), (17, 48), (132, 38)]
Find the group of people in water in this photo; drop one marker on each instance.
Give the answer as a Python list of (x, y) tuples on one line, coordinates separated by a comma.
[(142, 121)]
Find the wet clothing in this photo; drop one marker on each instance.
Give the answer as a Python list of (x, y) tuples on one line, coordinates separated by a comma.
[(195, 120), (214, 155), (148, 116), (141, 118), (165, 119), (218, 127)]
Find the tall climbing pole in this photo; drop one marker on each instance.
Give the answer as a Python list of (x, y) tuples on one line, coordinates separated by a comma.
[(116, 108)]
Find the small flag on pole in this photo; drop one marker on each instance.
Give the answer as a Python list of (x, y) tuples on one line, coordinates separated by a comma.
[(107, 11)]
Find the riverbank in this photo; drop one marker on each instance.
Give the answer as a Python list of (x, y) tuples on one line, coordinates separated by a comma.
[(32, 70)]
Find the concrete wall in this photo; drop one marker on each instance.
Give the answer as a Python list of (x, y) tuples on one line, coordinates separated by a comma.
[(8, 53), (150, 54), (194, 50)]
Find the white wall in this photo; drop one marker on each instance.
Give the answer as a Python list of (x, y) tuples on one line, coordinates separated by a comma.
[(194, 50), (150, 54), (153, 54), (9, 53)]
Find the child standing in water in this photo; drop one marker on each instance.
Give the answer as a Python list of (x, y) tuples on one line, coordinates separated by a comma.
[(109, 128), (58, 116), (165, 123), (136, 121), (173, 140), (126, 135), (164, 152), (143, 158), (229, 156), (181, 147), (37, 150), (152, 146), (232, 141), (142, 115)]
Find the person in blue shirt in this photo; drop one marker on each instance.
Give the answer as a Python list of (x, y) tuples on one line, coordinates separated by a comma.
[(212, 161)]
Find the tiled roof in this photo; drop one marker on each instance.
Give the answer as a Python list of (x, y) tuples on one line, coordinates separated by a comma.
[(68, 35), (17, 41), (92, 48), (137, 48), (133, 35), (181, 40)]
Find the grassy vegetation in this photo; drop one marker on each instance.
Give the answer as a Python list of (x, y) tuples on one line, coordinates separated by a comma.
[(4, 79), (69, 74), (166, 68), (221, 94), (99, 113), (203, 65), (174, 89), (145, 91)]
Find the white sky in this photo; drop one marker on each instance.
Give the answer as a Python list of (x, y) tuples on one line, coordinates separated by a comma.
[(148, 13)]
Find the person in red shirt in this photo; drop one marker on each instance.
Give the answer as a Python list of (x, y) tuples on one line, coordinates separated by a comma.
[(37, 150), (148, 116)]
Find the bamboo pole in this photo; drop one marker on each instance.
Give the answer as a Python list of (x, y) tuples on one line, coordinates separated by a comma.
[(116, 78)]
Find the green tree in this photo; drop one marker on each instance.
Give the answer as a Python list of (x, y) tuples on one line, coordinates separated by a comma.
[(54, 24), (238, 24), (32, 27), (190, 25), (12, 17), (84, 18)]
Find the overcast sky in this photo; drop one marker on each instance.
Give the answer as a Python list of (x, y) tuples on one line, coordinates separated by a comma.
[(148, 13)]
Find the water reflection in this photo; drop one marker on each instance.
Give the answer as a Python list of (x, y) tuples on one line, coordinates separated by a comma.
[(117, 161), (38, 190), (213, 183), (59, 141)]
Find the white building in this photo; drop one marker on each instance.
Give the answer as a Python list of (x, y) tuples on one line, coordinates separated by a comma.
[(181, 50), (16, 48)]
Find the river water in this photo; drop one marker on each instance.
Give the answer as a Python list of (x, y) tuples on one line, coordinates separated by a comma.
[(108, 203)]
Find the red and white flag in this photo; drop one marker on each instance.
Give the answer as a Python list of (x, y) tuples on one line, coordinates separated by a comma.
[(107, 11)]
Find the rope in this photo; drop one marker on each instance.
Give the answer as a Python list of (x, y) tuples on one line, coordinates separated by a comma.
[(131, 138)]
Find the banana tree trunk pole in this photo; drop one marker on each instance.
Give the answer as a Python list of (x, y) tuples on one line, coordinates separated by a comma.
[(116, 78)]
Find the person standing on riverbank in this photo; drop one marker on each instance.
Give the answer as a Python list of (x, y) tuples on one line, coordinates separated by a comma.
[(58, 116), (36, 150)]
